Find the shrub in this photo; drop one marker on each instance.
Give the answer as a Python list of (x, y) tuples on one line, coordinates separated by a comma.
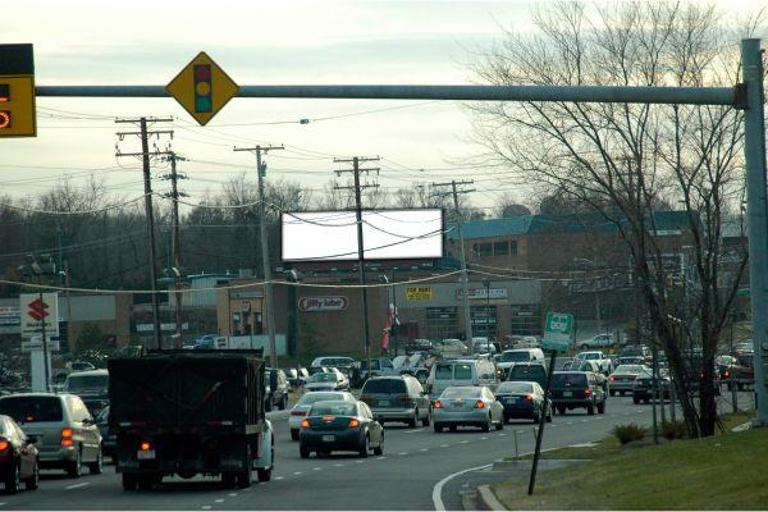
[(674, 429), (628, 433)]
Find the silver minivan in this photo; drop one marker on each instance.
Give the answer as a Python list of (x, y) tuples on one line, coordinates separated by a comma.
[(68, 437), (461, 372)]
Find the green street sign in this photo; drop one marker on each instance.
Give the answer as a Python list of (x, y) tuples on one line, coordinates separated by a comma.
[(558, 332), (742, 292)]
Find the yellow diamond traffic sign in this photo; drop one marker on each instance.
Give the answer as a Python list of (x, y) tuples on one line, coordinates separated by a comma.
[(202, 88)]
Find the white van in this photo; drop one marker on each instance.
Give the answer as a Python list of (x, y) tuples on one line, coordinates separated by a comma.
[(461, 372), (509, 358), (481, 345)]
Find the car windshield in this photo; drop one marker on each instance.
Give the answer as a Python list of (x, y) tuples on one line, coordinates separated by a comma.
[(311, 398), (514, 387), (591, 356), (79, 382), (333, 409), (32, 409), (532, 371), (323, 377), (515, 357), (462, 372), (467, 392), (389, 386), (569, 379)]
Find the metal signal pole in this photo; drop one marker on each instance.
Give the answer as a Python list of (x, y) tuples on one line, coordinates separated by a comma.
[(174, 195), (269, 302)]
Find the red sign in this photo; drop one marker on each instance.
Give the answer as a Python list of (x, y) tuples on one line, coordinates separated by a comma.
[(37, 309), (328, 303)]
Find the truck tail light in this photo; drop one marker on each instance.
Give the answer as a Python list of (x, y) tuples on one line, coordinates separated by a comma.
[(145, 446)]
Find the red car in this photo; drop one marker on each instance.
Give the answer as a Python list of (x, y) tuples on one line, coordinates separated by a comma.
[(18, 457), (740, 373)]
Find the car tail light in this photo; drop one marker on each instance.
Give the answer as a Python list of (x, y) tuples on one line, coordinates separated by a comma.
[(304, 423), (529, 398), (726, 374), (354, 422), (145, 446), (66, 437), (406, 401), (4, 445), (438, 404), (298, 413), (587, 392), (479, 404), (611, 378)]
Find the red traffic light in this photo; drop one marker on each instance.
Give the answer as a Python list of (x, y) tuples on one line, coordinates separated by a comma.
[(5, 119), (5, 93), (202, 73)]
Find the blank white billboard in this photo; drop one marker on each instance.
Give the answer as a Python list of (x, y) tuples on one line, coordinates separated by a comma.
[(387, 234)]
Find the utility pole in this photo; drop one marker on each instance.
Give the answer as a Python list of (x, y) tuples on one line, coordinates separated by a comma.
[(465, 276), (269, 303), (174, 177), (145, 156), (356, 170)]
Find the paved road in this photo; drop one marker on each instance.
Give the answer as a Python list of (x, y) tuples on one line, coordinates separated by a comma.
[(414, 461)]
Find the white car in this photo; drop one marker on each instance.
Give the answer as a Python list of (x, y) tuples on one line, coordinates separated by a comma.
[(597, 341), (603, 361), (302, 407), (332, 380)]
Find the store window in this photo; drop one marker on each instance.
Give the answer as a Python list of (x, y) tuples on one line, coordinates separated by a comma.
[(501, 248)]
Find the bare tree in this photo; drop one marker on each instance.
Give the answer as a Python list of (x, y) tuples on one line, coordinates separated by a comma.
[(625, 161)]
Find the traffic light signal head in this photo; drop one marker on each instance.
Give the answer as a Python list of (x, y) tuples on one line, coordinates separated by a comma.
[(203, 98), (5, 115), (17, 91)]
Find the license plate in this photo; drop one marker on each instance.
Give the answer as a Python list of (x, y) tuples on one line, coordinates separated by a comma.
[(512, 400), (145, 454), (567, 394), (329, 439), (384, 403)]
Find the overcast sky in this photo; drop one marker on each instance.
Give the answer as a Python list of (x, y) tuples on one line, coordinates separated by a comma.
[(262, 42)]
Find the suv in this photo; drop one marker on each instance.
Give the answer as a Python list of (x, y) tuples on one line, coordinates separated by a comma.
[(397, 399), (279, 396), (92, 386), (577, 389), (529, 372), (68, 437)]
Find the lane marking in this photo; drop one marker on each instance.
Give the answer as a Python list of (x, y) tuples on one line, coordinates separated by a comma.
[(317, 468), (359, 461), (569, 423), (297, 473), (583, 421), (444, 445), (413, 431), (220, 500), (403, 453), (463, 442), (502, 435), (337, 465), (77, 486), (232, 495), (279, 477), (553, 426), (437, 490), (424, 449), (484, 438), (206, 507), (2, 503), (377, 458)]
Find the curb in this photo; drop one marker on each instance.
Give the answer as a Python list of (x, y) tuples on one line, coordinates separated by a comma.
[(486, 500), (743, 427), (544, 464)]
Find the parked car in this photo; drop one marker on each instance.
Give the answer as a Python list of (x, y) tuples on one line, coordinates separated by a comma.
[(642, 389), (571, 390), (482, 345), (461, 372), (340, 426), (277, 397), (524, 400), (529, 372), (622, 380), (333, 380), (297, 378), (509, 358), (518, 341), (605, 363), (398, 398), (18, 457), (474, 406), (108, 440), (605, 340), (741, 373), (343, 363), (451, 347), (68, 437), (92, 386), (302, 407)]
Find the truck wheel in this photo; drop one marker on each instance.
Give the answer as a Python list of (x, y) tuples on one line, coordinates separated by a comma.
[(129, 482), (228, 480), (635, 400), (295, 434), (304, 452), (264, 474), (244, 478), (146, 482)]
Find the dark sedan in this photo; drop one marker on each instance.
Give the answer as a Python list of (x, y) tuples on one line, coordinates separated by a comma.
[(522, 400), (18, 457), (340, 426)]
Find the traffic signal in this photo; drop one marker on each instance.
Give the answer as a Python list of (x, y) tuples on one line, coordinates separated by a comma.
[(203, 99), (17, 91)]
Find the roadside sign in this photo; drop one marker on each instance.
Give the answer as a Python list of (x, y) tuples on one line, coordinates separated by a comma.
[(36, 310), (418, 293), (202, 88), (558, 332), (17, 91), (35, 343)]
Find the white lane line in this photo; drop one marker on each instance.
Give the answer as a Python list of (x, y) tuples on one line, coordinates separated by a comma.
[(444, 445), (206, 507), (220, 500), (553, 426), (413, 431), (279, 477), (484, 438), (297, 473), (317, 468), (424, 449), (337, 465), (463, 442), (403, 453), (640, 412), (583, 421), (626, 414), (569, 423), (232, 494), (2, 503), (502, 435), (359, 461), (378, 458), (77, 486), (437, 490)]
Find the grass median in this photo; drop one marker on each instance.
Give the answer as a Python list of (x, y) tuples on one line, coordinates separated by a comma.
[(723, 472)]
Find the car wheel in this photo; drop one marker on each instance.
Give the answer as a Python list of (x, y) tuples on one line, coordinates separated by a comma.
[(438, 428), (452, 428), (264, 474), (635, 400), (228, 480), (304, 452), (601, 408), (548, 418), (33, 481), (740, 386), (145, 482), (13, 482), (646, 400), (129, 482), (535, 419), (412, 421), (379, 450), (75, 468), (294, 434), (365, 448), (283, 403), (561, 410), (96, 467), (613, 392), (486, 427), (591, 409), (621, 393), (427, 420), (500, 424), (585, 347)]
